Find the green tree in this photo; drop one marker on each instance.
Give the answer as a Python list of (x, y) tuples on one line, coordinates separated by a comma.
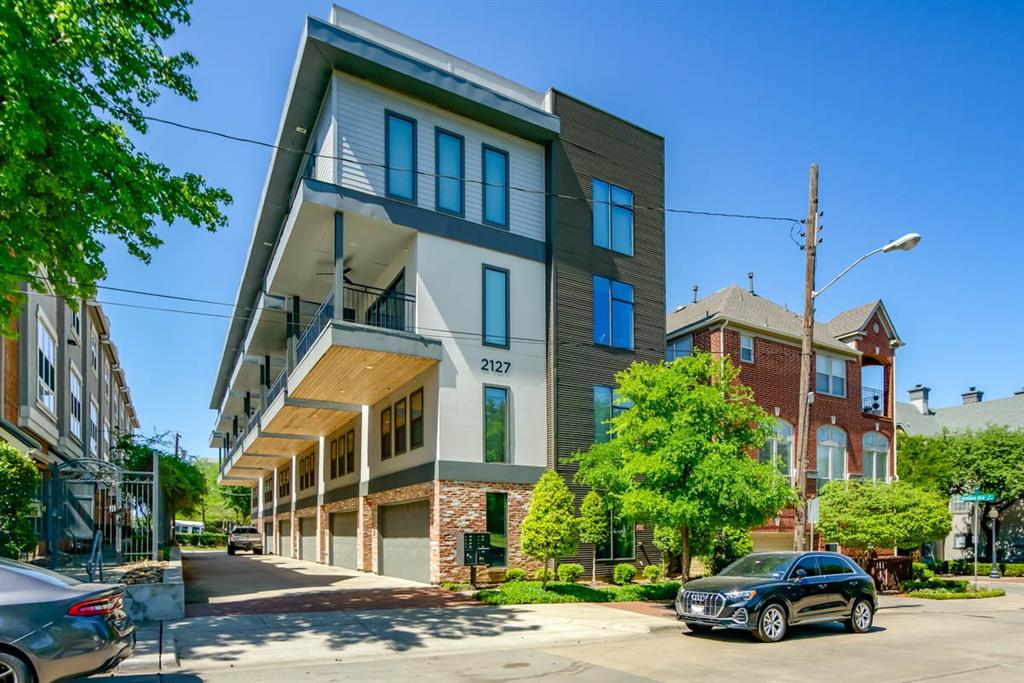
[(725, 546), (181, 480), (549, 530), (74, 78), (989, 459), (681, 455), (869, 515), (594, 524), (19, 487), (222, 505)]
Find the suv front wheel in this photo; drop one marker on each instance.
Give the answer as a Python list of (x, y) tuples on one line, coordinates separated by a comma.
[(771, 624)]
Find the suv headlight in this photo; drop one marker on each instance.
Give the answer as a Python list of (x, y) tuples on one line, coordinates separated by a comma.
[(740, 595)]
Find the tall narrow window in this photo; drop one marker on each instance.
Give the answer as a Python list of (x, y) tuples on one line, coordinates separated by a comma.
[(76, 322), (334, 459), (94, 427), (620, 543), (416, 419), (497, 527), (350, 452), (400, 433), (385, 433), (613, 217), (613, 313), (450, 168), (495, 424), (94, 354), (400, 144), (778, 448), (831, 453), (495, 163), (876, 457), (76, 404), (496, 307), (46, 366), (746, 348), (606, 406)]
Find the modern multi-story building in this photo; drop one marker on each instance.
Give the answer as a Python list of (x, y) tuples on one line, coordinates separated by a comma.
[(851, 417), (433, 293), (64, 393)]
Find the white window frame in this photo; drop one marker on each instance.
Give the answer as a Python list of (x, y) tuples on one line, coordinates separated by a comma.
[(672, 352), (75, 421), (94, 427), (831, 360), (94, 354), (772, 443), (957, 505), (746, 338), (106, 436), (46, 393), (872, 450), (832, 444)]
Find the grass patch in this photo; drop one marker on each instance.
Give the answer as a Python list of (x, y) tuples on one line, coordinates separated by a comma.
[(953, 594), (531, 593)]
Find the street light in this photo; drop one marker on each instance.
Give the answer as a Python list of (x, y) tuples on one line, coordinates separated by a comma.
[(993, 514), (904, 243)]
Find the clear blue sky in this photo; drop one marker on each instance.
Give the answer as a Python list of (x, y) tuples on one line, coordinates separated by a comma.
[(915, 112)]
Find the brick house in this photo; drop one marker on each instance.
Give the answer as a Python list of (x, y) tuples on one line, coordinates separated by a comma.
[(851, 425)]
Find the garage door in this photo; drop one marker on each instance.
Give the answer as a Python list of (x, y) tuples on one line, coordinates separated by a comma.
[(284, 539), (769, 541), (343, 539), (307, 542), (405, 540)]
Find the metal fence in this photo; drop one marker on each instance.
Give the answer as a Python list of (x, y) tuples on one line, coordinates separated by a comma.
[(364, 305), (872, 401)]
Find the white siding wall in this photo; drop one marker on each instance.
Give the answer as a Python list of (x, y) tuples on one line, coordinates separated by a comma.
[(360, 108), (449, 295), (325, 139)]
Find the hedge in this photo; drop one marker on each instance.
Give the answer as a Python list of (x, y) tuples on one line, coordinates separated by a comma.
[(966, 568), (207, 538)]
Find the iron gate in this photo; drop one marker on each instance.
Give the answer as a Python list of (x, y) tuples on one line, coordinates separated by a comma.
[(96, 509)]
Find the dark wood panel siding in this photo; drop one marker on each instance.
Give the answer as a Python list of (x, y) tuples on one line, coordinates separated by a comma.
[(594, 144)]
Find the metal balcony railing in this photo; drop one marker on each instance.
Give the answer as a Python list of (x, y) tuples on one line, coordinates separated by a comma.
[(872, 401), (364, 305), (253, 423), (277, 387)]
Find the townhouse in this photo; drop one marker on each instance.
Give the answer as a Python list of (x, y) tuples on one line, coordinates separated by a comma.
[(851, 417), (433, 295), (64, 393), (918, 417)]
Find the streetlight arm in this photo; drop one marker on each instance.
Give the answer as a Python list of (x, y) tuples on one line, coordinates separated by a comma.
[(847, 270)]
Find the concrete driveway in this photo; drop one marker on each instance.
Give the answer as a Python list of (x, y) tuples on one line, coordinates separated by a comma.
[(217, 584)]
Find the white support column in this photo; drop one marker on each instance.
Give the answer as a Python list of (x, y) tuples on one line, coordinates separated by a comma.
[(293, 530), (320, 486), (275, 541), (362, 524)]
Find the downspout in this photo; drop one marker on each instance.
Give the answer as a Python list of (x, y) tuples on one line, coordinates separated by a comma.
[(892, 408)]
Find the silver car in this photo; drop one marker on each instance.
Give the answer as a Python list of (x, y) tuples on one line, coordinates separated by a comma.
[(53, 627)]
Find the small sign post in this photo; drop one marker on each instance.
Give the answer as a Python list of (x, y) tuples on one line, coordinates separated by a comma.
[(977, 497)]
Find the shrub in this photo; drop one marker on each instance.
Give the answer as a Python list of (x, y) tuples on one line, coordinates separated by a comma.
[(943, 594), (1015, 569), (456, 586), (921, 572), (654, 573), (623, 573), (544, 575), (725, 547), (531, 592), (515, 574), (570, 572), (932, 584)]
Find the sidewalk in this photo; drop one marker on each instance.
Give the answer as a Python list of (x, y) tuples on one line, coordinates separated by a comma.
[(218, 642)]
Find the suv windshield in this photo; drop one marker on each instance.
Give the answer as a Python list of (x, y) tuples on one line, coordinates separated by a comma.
[(244, 530), (760, 566)]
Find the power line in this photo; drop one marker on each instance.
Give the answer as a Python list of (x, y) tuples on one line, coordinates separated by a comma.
[(515, 188)]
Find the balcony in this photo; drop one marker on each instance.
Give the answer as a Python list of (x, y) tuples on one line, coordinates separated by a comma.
[(872, 401)]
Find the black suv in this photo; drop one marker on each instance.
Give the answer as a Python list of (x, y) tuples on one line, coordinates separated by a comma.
[(765, 593)]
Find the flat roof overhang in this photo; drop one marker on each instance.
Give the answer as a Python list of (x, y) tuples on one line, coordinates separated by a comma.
[(323, 48), (358, 364)]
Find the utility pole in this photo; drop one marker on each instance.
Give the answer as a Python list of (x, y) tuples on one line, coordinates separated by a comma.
[(806, 357)]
